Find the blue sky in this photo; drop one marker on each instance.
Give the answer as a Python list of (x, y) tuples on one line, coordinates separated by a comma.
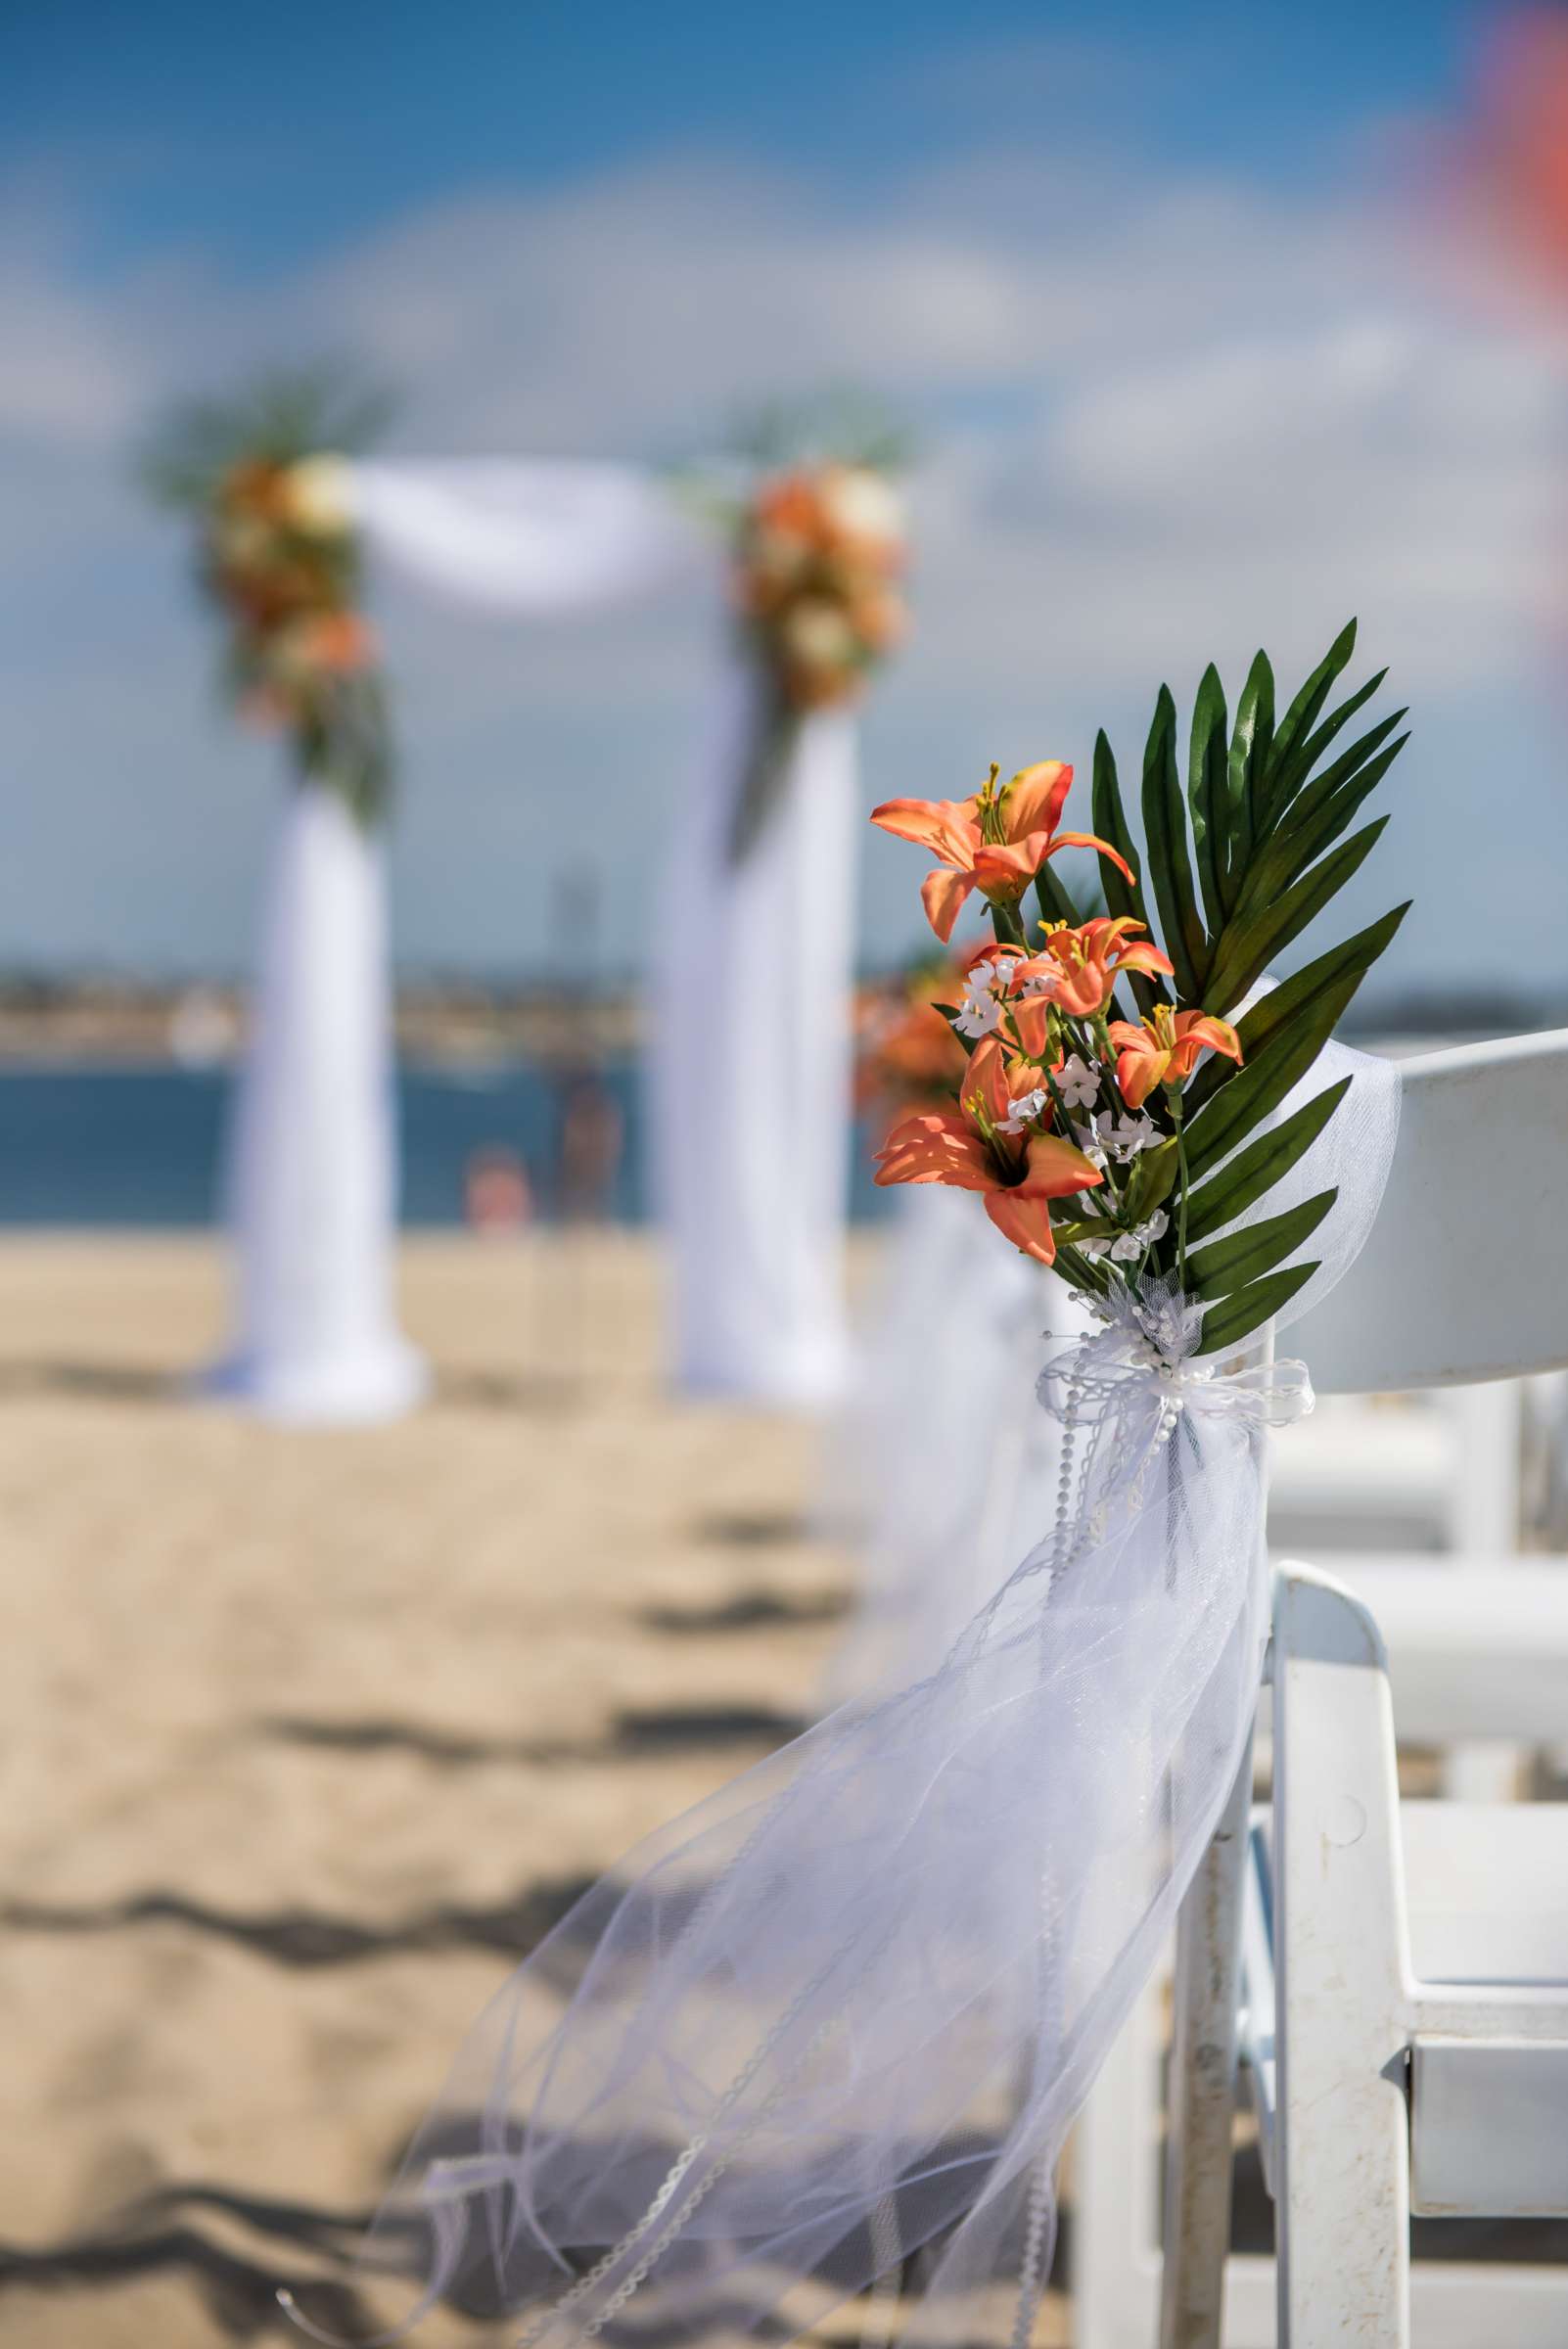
[(1155, 283), (264, 132)]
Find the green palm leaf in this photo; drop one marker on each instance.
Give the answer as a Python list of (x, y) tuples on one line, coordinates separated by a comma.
[(1227, 1324), (1243, 1255), (1169, 868), (1254, 1171)]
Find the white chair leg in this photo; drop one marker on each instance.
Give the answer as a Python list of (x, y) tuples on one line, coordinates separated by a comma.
[(1488, 1436), (1341, 2142), (1487, 1424), (1115, 2189), (1202, 2078)]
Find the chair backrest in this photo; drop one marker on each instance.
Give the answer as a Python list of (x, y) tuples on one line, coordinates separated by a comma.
[(1464, 1276)]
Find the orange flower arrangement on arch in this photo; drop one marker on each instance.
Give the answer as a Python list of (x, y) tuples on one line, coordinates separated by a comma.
[(1128, 1141), (278, 556), (818, 549)]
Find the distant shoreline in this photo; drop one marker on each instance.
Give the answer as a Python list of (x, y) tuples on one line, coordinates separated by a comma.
[(95, 1023), (111, 1022)]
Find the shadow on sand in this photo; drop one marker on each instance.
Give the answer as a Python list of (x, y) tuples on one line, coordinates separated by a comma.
[(632, 1736)]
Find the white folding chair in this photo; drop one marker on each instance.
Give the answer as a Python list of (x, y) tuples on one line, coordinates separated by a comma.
[(1478, 1653), (1458, 1671), (1404, 2011), (1434, 1299)]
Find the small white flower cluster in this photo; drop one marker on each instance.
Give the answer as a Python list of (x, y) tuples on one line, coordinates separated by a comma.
[(863, 503), (1170, 1323), (1129, 1245), (1116, 1139), (987, 984), (980, 1012), (1077, 1082), (319, 496), (819, 632), (1027, 1107)]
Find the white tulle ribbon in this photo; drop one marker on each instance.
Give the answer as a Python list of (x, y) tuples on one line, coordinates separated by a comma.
[(830, 2028), (1143, 1366)]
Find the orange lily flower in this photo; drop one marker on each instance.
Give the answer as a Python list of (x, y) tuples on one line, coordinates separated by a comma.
[(334, 640), (1017, 1173), (1164, 1050), (996, 840), (1006, 959), (1077, 973)]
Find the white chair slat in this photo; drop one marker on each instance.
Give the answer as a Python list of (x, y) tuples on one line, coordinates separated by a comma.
[(1256, 2036), (1341, 1966), (1485, 1895), (1424, 1305), (1477, 1646), (1487, 2132)]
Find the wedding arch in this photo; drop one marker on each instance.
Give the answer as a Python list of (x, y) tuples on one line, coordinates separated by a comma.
[(751, 973)]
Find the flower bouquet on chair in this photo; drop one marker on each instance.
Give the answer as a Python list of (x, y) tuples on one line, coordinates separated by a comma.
[(1121, 1148), (827, 2032)]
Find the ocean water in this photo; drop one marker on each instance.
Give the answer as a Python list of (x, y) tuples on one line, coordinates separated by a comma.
[(143, 1146)]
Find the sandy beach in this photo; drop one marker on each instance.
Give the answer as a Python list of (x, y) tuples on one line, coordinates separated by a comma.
[(310, 1735)]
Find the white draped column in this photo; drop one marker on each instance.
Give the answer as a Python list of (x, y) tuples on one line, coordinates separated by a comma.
[(750, 1065), (312, 1160), (311, 1169)]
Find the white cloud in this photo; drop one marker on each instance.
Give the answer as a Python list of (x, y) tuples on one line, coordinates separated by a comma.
[(1160, 419), (1277, 483)]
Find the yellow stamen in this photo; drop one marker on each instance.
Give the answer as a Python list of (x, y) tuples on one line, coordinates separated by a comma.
[(993, 824)]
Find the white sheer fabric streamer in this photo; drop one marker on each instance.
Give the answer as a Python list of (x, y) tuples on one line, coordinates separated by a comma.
[(1356, 1148), (831, 2028), (749, 1065), (535, 536), (311, 1159), (944, 1468)]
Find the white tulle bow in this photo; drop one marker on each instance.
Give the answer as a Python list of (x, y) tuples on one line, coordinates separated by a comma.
[(1143, 1366)]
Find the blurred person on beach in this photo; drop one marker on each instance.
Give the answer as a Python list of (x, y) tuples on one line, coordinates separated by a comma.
[(592, 1140), (497, 1195), (589, 1144)]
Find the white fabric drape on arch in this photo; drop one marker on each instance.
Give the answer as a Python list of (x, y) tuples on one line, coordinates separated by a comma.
[(753, 964), (749, 1067), (311, 1172), (546, 536)]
